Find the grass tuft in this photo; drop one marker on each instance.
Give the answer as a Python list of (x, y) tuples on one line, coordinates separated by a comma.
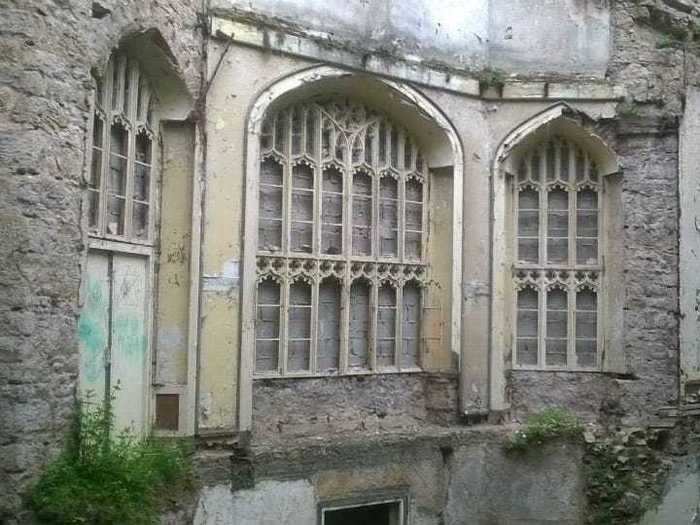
[(103, 478)]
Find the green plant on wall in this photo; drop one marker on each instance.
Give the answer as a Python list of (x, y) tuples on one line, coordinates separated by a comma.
[(550, 424), (107, 478)]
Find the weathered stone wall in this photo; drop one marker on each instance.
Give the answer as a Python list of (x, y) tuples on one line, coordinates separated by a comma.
[(449, 477), (291, 408), (48, 48)]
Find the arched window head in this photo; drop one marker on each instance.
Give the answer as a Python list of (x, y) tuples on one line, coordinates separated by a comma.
[(120, 185), (342, 195), (557, 256)]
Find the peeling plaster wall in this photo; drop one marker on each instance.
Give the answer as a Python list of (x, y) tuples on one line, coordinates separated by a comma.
[(48, 49), (526, 36), (448, 479)]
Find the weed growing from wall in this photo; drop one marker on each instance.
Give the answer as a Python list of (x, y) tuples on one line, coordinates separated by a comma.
[(550, 424), (625, 473), (107, 478)]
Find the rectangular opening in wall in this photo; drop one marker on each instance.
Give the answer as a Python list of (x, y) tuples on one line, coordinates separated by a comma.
[(380, 513), (167, 411)]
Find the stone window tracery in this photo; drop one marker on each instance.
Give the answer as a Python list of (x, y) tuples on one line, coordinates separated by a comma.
[(558, 267), (341, 257), (120, 203)]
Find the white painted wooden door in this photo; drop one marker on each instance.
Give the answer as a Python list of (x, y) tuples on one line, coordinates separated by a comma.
[(114, 334)]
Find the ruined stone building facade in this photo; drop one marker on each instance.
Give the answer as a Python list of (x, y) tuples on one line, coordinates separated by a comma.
[(346, 244)]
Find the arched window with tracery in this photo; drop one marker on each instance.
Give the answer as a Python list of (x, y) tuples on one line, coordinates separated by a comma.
[(120, 194), (341, 252), (558, 198)]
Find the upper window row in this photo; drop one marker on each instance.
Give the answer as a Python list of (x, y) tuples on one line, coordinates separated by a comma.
[(120, 180), (338, 180)]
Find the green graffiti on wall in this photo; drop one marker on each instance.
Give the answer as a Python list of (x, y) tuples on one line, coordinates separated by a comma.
[(92, 334), (129, 337)]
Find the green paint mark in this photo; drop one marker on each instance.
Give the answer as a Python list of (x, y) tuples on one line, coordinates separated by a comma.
[(91, 333), (129, 337)]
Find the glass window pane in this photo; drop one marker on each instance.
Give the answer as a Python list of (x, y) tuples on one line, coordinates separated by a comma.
[(143, 148), (139, 222), (142, 181)]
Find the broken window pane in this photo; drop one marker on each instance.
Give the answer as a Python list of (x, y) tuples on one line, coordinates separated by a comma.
[(359, 325), (329, 296), (411, 325)]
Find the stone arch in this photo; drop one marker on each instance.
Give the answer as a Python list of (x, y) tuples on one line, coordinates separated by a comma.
[(562, 120), (405, 105)]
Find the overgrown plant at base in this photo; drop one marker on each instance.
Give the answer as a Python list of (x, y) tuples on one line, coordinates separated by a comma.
[(551, 423), (103, 477)]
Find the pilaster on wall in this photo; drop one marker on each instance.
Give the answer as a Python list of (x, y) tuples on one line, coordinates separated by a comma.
[(689, 190)]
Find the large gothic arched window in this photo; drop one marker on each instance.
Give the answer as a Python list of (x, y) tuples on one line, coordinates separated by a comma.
[(558, 265), (341, 253)]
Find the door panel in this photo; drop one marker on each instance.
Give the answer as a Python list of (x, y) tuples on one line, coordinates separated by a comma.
[(93, 327), (129, 340), (113, 335)]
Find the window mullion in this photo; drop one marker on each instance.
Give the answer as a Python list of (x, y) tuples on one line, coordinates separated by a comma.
[(374, 312), (544, 211), (542, 322), (343, 358), (401, 204), (284, 326), (313, 329), (106, 145), (374, 199), (398, 330), (571, 358), (132, 79), (287, 202)]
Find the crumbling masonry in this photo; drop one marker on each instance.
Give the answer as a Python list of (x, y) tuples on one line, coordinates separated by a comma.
[(348, 245)]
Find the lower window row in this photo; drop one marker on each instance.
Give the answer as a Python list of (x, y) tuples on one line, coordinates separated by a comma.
[(305, 327), (557, 327)]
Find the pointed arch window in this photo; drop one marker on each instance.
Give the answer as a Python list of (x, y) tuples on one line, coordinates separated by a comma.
[(120, 185), (341, 216), (558, 264)]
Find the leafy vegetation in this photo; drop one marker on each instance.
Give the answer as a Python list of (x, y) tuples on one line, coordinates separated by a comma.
[(491, 78), (624, 476), (106, 478), (550, 424)]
